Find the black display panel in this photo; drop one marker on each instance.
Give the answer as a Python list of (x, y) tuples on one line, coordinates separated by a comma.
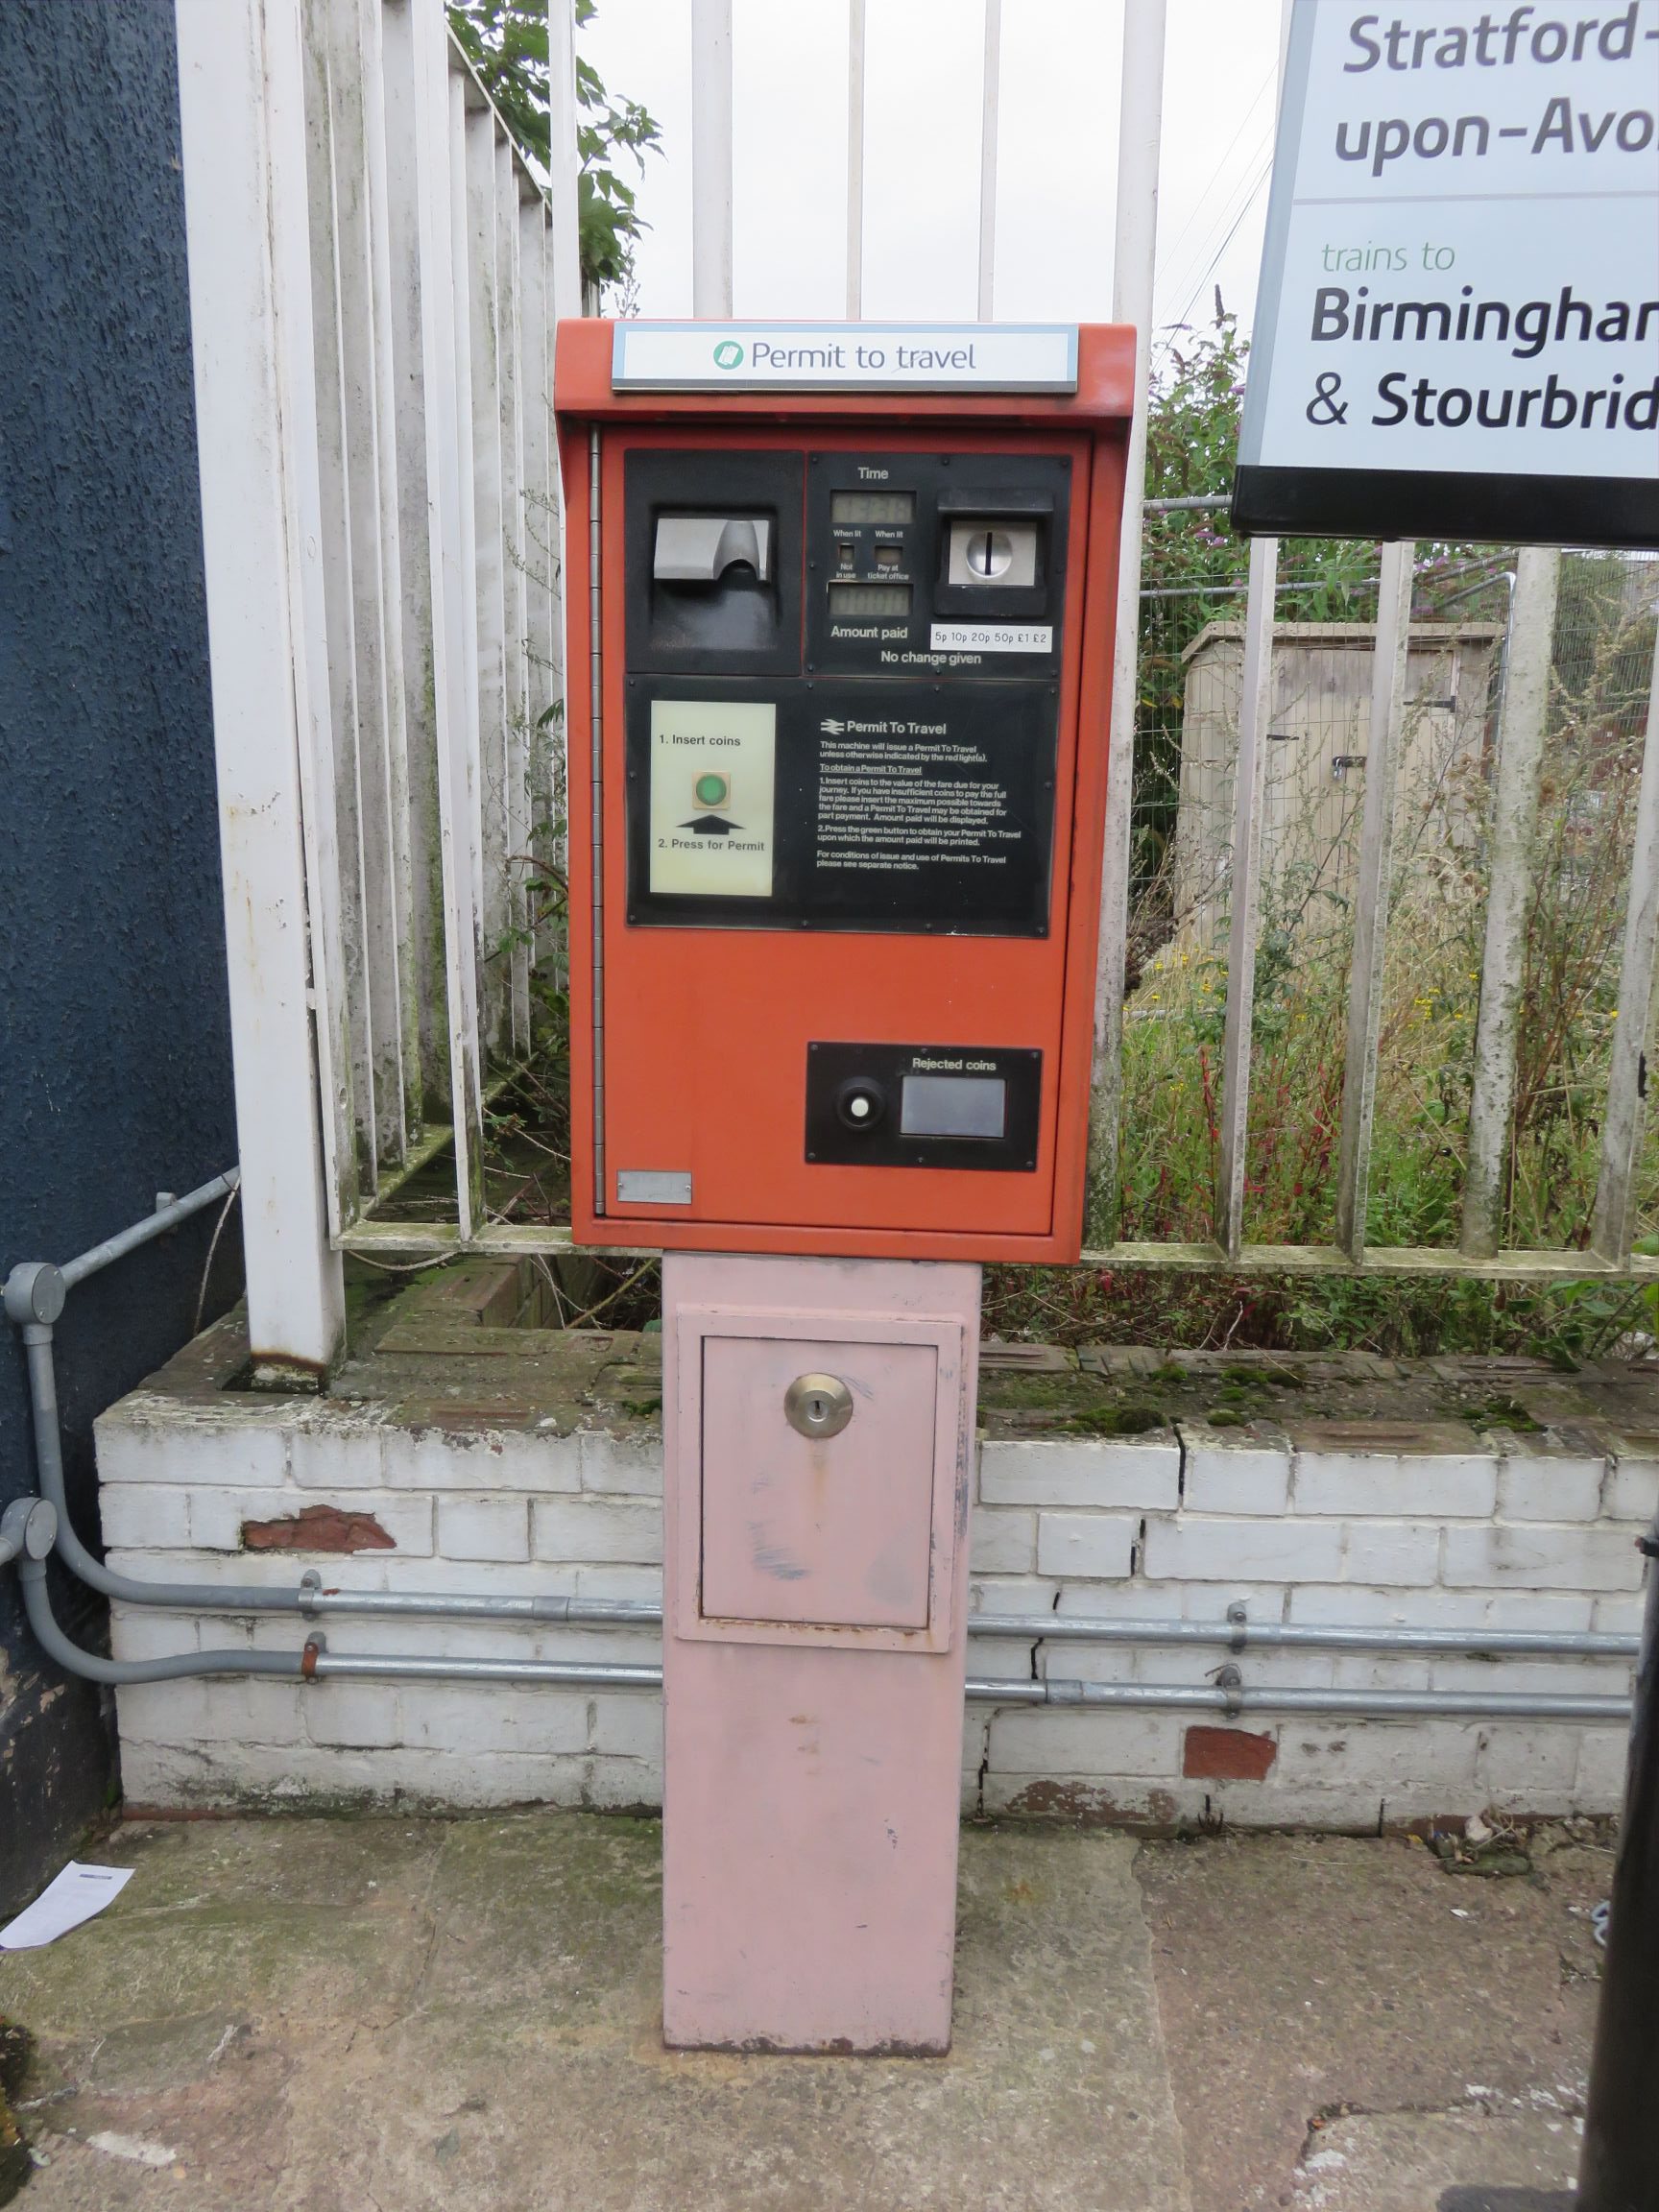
[(842, 805), (923, 1106), (854, 509), (886, 518), (855, 602)]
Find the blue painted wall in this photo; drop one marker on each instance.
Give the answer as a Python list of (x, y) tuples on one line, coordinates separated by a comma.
[(115, 1039)]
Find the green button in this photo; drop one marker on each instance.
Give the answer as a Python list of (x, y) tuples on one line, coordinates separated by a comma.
[(712, 790)]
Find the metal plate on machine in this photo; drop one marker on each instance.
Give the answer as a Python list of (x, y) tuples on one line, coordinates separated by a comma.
[(923, 1106), (842, 806)]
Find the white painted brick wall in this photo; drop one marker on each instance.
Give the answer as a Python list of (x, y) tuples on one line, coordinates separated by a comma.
[(1079, 1471), (1444, 1482), (1090, 1545), (251, 1451), (338, 1457), (619, 1467), (1631, 1491), (484, 1527), (149, 1516), (1525, 1532), (442, 1460), (217, 1518), (1228, 1477), (1536, 1484), (1032, 1741), (1192, 1548), (1003, 1540), (1355, 1607), (1542, 1555), (594, 1528)]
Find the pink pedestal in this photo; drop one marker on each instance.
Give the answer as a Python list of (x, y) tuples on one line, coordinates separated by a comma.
[(813, 1651)]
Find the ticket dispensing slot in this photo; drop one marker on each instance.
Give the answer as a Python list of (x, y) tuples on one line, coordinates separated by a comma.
[(714, 560), (703, 548)]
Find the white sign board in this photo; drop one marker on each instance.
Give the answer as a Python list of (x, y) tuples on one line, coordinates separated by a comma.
[(1458, 328), (845, 357)]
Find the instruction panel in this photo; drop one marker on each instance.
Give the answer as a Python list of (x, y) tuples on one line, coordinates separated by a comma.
[(843, 805), (713, 765)]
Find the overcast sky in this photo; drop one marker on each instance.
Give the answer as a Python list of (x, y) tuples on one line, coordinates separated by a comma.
[(923, 65)]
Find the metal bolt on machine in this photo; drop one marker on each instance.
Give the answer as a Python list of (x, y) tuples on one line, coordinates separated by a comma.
[(838, 692)]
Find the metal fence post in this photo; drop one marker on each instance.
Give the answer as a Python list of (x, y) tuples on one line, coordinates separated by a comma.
[(855, 161), (1371, 902), (1614, 1217), (1514, 827), (711, 158), (1141, 116), (1249, 787), (991, 90)]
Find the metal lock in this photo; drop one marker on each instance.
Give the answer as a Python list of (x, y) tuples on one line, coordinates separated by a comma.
[(818, 1404)]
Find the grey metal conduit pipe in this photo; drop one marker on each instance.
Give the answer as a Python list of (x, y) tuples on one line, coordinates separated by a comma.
[(40, 1530), (306, 1598), (34, 1294), (316, 1663), (155, 1224), (1242, 1635), (309, 1600), (198, 1596)]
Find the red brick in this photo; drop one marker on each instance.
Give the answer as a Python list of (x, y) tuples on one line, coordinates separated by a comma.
[(1227, 1755), (317, 1528)]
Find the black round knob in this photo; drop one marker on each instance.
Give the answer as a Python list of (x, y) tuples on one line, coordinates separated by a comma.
[(860, 1103)]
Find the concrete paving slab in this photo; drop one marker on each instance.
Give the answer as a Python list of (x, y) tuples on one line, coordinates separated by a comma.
[(415, 2014), (232, 1918), (1303, 1980), (1475, 2161)]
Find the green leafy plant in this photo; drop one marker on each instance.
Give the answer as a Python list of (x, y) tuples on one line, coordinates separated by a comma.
[(506, 42)]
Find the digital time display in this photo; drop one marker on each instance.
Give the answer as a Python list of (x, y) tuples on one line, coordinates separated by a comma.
[(850, 508), (867, 602)]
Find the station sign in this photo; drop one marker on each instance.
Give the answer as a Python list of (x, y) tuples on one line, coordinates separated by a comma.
[(1457, 327)]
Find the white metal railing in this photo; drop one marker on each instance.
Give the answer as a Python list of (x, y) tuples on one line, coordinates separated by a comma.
[(375, 276)]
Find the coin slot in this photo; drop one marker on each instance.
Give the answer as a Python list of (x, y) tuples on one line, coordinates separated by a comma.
[(993, 553)]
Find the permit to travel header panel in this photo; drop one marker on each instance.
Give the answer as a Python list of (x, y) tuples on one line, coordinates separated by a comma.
[(1457, 332)]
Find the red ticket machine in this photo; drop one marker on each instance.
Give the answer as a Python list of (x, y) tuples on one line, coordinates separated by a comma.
[(838, 671)]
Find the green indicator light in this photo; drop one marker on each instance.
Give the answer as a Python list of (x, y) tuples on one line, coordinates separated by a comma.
[(713, 790)]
